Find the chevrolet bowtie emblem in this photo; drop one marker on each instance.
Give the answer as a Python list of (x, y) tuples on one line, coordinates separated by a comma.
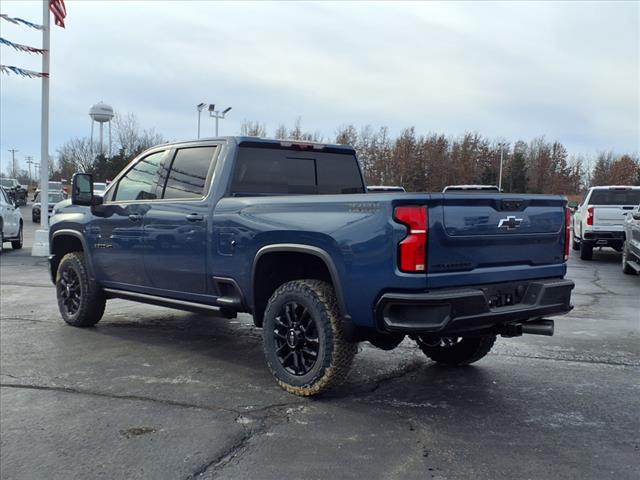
[(510, 222)]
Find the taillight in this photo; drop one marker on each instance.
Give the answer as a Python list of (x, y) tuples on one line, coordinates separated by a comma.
[(590, 216), (412, 249), (567, 232)]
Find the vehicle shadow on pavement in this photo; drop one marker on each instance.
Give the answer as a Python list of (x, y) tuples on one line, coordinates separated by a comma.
[(215, 351), (605, 255)]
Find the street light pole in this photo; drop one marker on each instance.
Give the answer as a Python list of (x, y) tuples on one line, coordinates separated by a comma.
[(217, 114), (200, 107), (501, 160), (502, 145)]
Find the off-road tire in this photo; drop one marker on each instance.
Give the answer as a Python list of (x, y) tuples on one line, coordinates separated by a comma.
[(586, 251), (91, 298), (17, 244), (335, 354), (465, 352), (626, 268)]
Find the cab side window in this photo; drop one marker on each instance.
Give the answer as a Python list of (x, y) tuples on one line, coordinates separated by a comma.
[(190, 174), (142, 181)]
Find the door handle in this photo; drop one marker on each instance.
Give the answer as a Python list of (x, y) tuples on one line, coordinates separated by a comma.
[(194, 217), (135, 217)]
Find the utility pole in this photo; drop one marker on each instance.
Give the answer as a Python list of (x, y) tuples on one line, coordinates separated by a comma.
[(30, 162), (13, 161)]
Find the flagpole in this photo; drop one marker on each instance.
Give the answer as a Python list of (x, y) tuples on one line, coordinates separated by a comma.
[(41, 239), (44, 145)]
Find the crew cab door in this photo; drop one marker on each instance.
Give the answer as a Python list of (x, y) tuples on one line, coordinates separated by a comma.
[(175, 227), (115, 234)]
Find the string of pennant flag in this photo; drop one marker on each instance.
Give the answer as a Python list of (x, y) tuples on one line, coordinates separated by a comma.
[(59, 11), (18, 21), (20, 47), (9, 69)]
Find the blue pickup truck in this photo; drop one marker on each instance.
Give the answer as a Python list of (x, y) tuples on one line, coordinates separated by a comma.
[(287, 232)]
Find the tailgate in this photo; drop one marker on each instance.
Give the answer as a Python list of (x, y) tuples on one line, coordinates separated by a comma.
[(609, 217), (488, 238)]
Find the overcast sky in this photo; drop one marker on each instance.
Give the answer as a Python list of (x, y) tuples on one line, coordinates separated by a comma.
[(569, 71)]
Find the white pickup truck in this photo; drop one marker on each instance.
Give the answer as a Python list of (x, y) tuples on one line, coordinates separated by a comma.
[(599, 219)]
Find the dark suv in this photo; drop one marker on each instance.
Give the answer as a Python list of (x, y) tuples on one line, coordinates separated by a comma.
[(15, 191)]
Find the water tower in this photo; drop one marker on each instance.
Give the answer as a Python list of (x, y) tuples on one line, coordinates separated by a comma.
[(101, 113)]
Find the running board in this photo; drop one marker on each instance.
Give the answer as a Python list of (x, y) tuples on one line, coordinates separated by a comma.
[(227, 302)]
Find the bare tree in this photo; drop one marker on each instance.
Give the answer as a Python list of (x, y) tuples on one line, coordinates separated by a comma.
[(347, 135), (281, 132), (253, 129), (75, 155), (296, 132), (130, 138)]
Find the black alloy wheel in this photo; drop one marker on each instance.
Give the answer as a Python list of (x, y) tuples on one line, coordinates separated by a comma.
[(305, 343), (455, 351), (70, 291), (81, 301), (295, 334)]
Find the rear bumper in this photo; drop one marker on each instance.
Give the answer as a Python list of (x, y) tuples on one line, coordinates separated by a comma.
[(604, 238), (468, 309)]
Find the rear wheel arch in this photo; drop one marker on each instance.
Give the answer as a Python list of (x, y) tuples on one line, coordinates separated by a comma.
[(294, 262)]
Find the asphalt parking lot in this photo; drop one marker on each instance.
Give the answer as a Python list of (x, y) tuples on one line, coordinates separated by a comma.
[(157, 393)]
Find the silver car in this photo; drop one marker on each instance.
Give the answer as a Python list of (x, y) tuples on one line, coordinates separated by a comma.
[(10, 222)]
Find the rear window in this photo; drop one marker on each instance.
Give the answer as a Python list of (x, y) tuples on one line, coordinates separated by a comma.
[(615, 197), (266, 171)]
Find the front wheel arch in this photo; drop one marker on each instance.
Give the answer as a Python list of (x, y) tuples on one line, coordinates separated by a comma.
[(68, 241)]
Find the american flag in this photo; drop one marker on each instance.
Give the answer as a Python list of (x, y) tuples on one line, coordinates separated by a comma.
[(59, 11)]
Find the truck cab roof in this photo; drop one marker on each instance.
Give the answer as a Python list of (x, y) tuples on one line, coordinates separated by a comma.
[(247, 141)]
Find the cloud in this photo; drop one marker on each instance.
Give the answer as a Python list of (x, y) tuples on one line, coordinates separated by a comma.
[(569, 71)]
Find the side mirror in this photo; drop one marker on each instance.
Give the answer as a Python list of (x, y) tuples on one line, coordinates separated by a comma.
[(82, 189)]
